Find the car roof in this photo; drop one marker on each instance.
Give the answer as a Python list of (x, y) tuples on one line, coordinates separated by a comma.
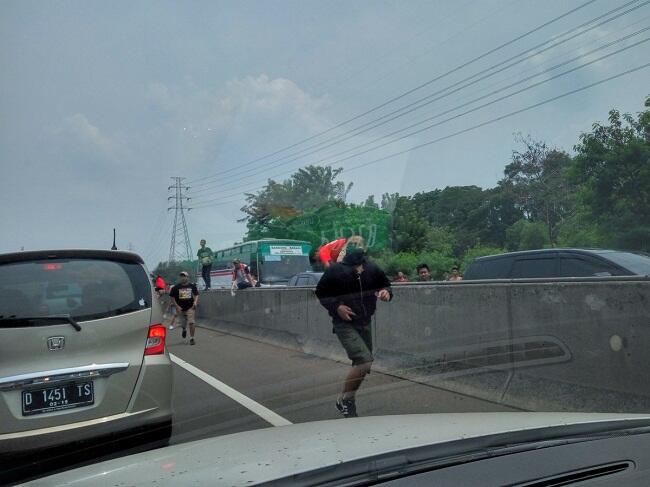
[(115, 255), (543, 251)]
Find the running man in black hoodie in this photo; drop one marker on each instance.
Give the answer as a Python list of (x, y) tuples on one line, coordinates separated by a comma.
[(349, 291)]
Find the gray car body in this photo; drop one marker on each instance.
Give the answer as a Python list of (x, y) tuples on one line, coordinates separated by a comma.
[(131, 390), (287, 452)]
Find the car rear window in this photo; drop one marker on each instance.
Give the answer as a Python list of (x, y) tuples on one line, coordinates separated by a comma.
[(637, 263), (82, 288)]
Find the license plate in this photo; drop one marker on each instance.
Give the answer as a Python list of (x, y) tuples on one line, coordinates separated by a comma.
[(67, 396)]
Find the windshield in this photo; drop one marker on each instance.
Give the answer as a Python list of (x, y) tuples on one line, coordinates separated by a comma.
[(276, 268), (637, 263), (84, 289), (315, 211)]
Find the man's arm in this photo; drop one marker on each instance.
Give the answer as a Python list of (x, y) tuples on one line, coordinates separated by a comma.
[(383, 284), (195, 292), (247, 270), (173, 293), (328, 293)]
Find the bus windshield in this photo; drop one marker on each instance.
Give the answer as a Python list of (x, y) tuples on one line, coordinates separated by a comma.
[(280, 268)]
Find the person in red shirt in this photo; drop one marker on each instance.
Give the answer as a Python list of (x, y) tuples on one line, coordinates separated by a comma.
[(335, 251), (160, 284)]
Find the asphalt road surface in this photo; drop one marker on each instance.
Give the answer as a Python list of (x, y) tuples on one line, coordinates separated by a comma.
[(227, 384)]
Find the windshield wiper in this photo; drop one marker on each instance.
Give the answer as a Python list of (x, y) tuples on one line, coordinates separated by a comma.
[(20, 319)]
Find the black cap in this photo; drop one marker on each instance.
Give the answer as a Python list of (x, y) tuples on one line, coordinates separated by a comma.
[(356, 257)]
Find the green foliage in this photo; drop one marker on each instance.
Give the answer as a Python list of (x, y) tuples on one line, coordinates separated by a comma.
[(579, 231), (526, 235), (308, 189), (612, 170), (408, 229), (333, 221), (470, 214), (536, 180), (599, 198), (170, 270)]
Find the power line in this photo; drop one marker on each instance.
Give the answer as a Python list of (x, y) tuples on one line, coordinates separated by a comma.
[(417, 104), (412, 90), (529, 87), (155, 232), (534, 85), (502, 117), (491, 121)]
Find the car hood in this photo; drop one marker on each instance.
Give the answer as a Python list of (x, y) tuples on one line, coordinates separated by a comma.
[(263, 455)]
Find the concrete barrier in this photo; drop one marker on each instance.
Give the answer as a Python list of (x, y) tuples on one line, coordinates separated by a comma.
[(568, 345)]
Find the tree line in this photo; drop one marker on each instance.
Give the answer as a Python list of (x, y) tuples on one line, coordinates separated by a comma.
[(597, 196)]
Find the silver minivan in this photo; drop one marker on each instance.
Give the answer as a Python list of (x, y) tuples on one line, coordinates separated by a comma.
[(82, 349)]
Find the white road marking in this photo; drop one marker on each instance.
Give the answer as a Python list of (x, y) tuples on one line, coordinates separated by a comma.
[(265, 413)]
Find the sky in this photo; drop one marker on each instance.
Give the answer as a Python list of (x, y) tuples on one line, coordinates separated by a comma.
[(102, 103)]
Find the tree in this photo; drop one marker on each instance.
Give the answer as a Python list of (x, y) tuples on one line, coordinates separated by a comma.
[(309, 188), (612, 172), (526, 235), (536, 179), (408, 230), (469, 213), (389, 201), (370, 202)]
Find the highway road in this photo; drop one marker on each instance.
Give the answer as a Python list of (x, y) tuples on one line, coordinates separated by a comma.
[(227, 384)]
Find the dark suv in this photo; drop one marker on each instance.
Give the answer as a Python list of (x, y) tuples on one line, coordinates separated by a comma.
[(551, 263)]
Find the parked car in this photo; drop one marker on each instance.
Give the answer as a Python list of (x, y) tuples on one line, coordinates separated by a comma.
[(551, 263), (305, 279), (82, 349)]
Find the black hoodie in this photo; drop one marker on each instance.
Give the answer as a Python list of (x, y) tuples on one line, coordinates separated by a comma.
[(341, 284)]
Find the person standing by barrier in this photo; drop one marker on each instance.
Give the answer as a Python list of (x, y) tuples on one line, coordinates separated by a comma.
[(349, 292), (424, 274), (206, 256), (241, 275), (186, 297), (401, 277), (455, 274)]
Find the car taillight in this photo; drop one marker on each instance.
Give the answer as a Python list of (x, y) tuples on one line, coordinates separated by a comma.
[(156, 340)]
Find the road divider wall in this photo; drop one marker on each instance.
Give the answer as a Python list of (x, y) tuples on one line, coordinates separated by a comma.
[(570, 345)]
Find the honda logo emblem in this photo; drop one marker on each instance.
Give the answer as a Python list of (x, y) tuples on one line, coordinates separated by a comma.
[(55, 343)]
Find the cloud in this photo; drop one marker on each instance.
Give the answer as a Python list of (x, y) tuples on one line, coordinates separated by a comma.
[(246, 113), (78, 128), (243, 99), (262, 96)]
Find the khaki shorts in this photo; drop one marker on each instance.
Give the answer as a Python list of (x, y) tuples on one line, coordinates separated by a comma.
[(187, 317), (357, 342)]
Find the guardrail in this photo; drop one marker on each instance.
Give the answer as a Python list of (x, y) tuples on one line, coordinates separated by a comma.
[(539, 344)]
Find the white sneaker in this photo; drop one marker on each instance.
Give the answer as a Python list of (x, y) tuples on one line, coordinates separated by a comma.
[(171, 327)]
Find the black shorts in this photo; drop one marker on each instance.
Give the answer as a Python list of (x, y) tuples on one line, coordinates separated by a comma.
[(357, 342)]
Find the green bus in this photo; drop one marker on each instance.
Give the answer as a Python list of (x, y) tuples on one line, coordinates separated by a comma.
[(273, 261)]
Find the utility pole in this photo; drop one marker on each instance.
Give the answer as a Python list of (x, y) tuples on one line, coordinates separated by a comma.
[(180, 248)]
